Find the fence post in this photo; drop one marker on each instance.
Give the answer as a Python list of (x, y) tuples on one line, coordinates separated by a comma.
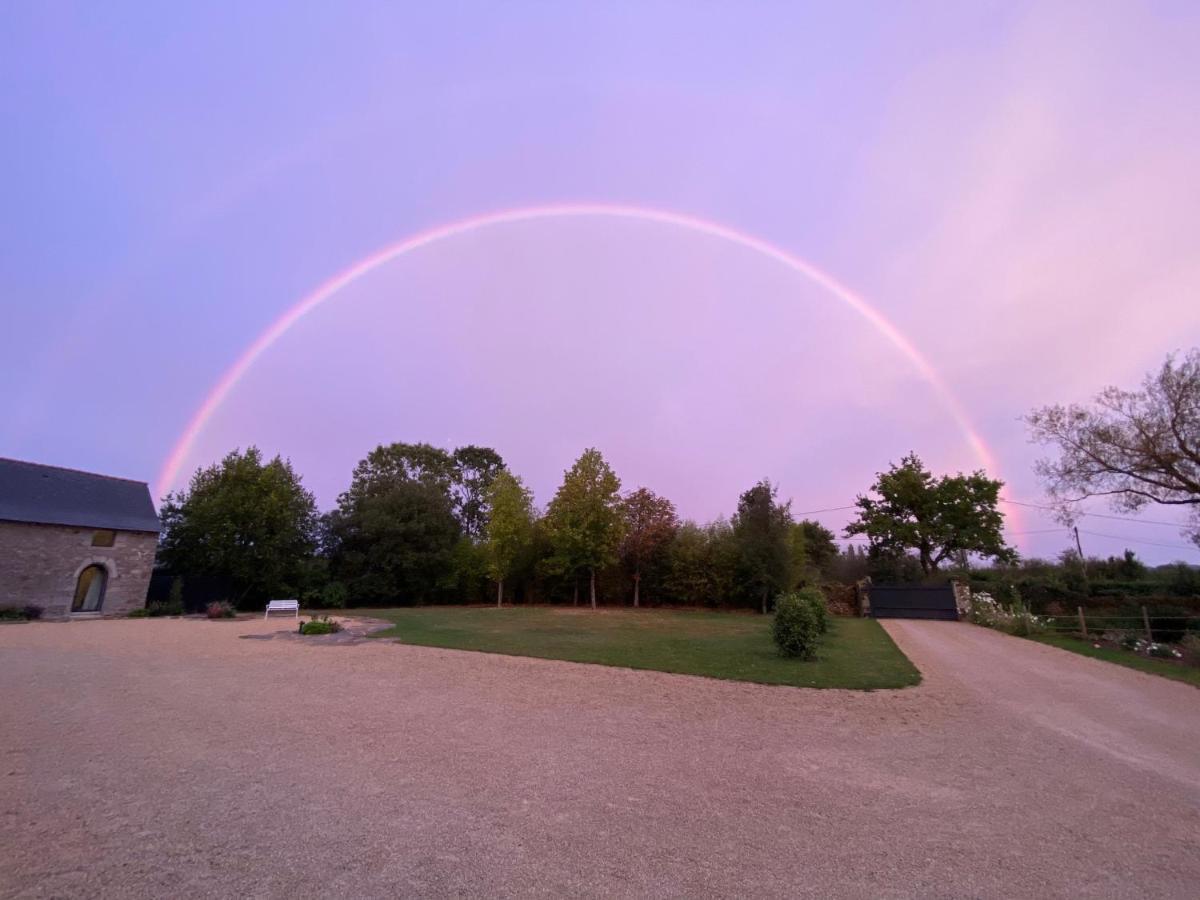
[(1082, 621), (1146, 622)]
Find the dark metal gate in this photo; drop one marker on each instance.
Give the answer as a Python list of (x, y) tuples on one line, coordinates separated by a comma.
[(907, 601)]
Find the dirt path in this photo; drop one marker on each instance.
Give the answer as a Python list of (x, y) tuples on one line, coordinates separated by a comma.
[(173, 758)]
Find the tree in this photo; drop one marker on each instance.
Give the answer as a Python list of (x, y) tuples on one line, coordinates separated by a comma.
[(510, 527), (650, 523), (584, 518), (935, 517), (396, 543), (474, 469), (249, 521), (814, 549), (762, 532), (463, 475), (1135, 447)]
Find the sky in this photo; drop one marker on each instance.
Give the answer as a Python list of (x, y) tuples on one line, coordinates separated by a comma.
[(1012, 186)]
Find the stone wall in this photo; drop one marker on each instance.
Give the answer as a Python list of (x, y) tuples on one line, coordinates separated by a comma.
[(40, 565)]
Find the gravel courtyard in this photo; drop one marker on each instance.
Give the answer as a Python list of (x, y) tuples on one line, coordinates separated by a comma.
[(174, 758)]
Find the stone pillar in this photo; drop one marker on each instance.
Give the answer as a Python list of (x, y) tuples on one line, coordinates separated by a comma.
[(862, 590), (962, 597)]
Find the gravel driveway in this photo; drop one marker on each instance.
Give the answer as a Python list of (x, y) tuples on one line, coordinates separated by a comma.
[(172, 758)]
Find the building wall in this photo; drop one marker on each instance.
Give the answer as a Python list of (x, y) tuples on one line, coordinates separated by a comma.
[(40, 564)]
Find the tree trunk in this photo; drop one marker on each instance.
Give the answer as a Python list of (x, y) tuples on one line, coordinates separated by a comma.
[(575, 601), (499, 593), (593, 579), (764, 599), (637, 583)]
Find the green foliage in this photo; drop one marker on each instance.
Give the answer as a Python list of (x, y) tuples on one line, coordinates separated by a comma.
[(175, 594), (464, 476), (23, 613), (220, 610), (650, 524), (393, 541), (795, 629), (509, 531), (140, 613), (584, 519), (762, 531), (334, 595), (164, 608), (474, 470), (249, 521), (814, 551), (936, 518), (1183, 581), (815, 598), (321, 625)]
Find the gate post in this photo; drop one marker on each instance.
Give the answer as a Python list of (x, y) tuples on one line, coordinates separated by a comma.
[(862, 592), (962, 597)]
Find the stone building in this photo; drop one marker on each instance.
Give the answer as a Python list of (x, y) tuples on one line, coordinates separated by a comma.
[(74, 543)]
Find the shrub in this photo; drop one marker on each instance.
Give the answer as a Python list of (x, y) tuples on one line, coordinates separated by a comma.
[(140, 613), (332, 596), (1017, 619), (795, 628), (321, 625), (20, 613), (815, 598), (221, 609), (164, 608)]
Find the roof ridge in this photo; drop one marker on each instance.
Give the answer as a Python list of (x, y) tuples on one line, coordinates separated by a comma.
[(26, 462)]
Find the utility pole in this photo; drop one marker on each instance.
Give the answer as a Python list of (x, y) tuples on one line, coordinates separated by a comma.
[(1079, 547)]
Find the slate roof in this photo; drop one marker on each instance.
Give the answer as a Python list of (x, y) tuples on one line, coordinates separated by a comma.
[(48, 495)]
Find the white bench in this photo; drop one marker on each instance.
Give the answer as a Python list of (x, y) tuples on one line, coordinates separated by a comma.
[(292, 606)]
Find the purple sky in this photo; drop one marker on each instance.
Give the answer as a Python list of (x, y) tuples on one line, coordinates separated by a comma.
[(1014, 186)]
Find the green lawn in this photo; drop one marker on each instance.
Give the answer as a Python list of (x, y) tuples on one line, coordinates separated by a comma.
[(856, 654), (1187, 674)]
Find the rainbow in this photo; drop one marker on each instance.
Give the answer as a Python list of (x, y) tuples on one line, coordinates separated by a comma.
[(183, 446)]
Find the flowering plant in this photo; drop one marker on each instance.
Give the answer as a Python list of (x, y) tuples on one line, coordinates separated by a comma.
[(1015, 619)]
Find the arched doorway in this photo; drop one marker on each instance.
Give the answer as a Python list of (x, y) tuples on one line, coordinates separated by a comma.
[(89, 589)]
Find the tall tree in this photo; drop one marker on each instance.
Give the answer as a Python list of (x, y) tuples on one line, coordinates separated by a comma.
[(762, 530), (389, 464), (815, 550), (463, 476), (474, 470), (1135, 447), (509, 528), (934, 517), (650, 523), (584, 518), (249, 521), (396, 543)]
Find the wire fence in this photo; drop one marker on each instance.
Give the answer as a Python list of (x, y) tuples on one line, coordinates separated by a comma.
[(1155, 628)]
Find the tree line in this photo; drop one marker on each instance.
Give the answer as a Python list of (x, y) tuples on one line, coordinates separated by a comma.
[(418, 525)]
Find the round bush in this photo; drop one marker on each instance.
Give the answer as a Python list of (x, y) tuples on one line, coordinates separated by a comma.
[(795, 628), (815, 598), (324, 625)]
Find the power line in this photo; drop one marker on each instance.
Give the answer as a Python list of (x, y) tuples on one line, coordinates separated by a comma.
[(813, 512), (1117, 537), (1094, 515)]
